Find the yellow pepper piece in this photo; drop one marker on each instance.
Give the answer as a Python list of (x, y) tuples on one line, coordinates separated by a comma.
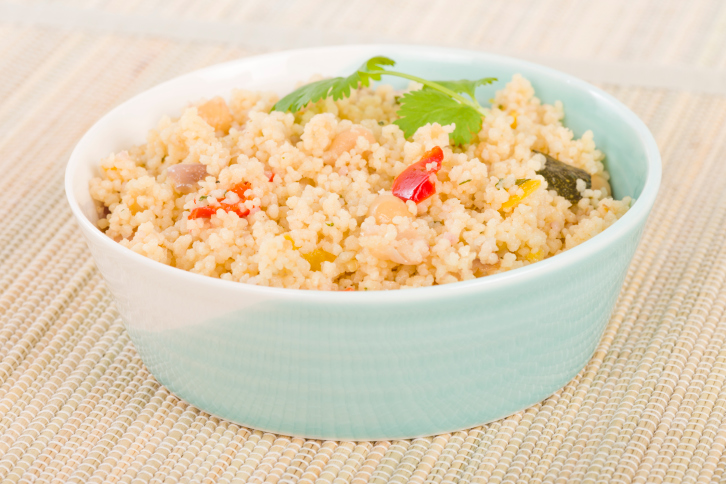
[(535, 256), (135, 208), (317, 257), (528, 188), (295, 247), (514, 115)]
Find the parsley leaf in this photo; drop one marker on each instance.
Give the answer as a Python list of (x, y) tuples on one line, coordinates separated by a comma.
[(465, 86), (337, 87), (419, 108)]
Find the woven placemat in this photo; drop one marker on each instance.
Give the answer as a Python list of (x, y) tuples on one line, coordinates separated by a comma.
[(78, 405)]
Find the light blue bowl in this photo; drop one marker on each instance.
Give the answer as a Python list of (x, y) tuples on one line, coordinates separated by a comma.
[(373, 365)]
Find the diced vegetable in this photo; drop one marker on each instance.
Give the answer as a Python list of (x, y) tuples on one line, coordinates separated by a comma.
[(415, 183), (346, 141), (600, 183), (528, 187), (534, 256), (216, 113), (562, 178), (288, 237), (207, 212), (386, 207), (241, 212), (202, 212), (240, 190), (317, 257), (184, 177)]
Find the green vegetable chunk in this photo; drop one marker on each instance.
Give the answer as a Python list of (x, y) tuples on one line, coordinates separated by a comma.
[(562, 178)]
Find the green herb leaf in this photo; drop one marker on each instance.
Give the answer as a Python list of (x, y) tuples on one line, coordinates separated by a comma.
[(419, 108), (465, 181), (520, 181), (342, 89), (309, 93), (465, 86), (203, 197), (329, 224), (442, 102), (337, 87)]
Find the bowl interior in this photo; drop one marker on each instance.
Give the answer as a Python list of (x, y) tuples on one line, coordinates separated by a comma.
[(586, 108)]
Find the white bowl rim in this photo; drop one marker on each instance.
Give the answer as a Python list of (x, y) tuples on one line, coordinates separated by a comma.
[(637, 212)]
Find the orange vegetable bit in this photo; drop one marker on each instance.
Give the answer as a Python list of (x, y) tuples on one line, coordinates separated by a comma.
[(528, 187), (240, 189), (317, 257), (202, 212), (207, 212), (414, 183), (241, 212)]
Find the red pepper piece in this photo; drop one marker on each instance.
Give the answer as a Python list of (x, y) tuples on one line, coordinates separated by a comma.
[(241, 212), (202, 212), (207, 212), (414, 183), (240, 190)]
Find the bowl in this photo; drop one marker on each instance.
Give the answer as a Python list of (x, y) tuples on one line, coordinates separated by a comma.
[(380, 364)]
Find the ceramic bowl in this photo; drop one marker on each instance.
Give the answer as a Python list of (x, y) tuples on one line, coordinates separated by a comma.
[(383, 364)]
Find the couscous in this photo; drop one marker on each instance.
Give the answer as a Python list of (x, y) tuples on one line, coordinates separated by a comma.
[(335, 197)]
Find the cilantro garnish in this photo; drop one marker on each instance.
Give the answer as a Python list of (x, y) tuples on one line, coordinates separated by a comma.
[(465, 181), (443, 102), (337, 87)]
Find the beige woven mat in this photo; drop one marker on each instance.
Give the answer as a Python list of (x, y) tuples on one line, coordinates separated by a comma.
[(77, 404)]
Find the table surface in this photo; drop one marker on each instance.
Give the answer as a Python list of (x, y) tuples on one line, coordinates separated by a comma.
[(78, 405)]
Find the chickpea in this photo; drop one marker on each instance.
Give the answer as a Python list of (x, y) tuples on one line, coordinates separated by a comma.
[(600, 183), (346, 141), (216, 113), (386, 207)]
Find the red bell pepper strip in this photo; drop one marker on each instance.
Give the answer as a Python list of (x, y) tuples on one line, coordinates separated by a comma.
[(414, 183), (202, 212), (207, 212), (241, 212), (240, 190)]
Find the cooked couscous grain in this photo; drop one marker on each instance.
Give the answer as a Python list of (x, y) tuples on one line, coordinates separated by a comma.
[(304, 200)]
